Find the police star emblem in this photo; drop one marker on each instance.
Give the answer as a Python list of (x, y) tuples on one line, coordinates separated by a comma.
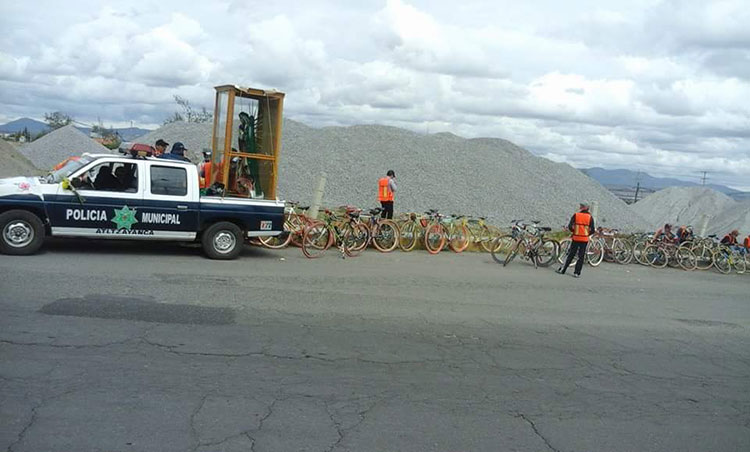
[(124, 218)]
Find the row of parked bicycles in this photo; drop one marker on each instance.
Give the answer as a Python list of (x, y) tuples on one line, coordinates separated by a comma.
[(352, 230), (693, 253)]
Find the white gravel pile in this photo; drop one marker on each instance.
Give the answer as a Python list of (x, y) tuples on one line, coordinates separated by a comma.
[(682, 206), (194, 136), (736, 216), (489, 177), (14, 163), (56, 146)]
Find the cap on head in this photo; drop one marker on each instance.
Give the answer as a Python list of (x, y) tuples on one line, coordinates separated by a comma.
[(390, 173), (161, 142), (178, 148)]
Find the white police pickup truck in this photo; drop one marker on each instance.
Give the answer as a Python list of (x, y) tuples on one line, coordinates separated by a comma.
[(107, 196)]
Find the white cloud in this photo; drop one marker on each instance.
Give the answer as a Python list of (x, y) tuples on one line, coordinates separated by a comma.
[(657, 85)]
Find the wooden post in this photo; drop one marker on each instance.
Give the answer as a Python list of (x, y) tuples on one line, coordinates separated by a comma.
[(317, 196)]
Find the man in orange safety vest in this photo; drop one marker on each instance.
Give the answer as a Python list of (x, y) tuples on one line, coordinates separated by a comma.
[(386, 188), (582, 226)]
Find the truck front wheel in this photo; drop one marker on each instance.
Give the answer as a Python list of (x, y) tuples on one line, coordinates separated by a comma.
[(222, 240), (21, 232)]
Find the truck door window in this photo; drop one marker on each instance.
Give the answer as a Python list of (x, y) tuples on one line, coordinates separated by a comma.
[(112, 176), (166, 180)]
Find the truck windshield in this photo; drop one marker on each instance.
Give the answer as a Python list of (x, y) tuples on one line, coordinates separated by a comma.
[(66, 170)]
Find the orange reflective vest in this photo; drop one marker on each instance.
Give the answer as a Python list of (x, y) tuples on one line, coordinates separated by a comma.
[(205, 180), (384, 191), (581, 224)]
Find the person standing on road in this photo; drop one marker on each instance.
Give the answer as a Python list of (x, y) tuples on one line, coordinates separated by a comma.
[(582, 226), (386, 189)]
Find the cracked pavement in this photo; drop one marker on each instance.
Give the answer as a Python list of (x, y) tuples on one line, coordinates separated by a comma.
[(150, 347)]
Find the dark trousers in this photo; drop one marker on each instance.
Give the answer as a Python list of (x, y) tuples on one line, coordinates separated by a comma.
[(387, 209), (576, 248)]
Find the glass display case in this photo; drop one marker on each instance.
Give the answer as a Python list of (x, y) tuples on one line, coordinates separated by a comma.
[(246, 142)]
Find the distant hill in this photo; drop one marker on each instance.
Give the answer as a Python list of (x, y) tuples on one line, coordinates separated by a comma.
[(32, 125), (126, 133), (619, 179)]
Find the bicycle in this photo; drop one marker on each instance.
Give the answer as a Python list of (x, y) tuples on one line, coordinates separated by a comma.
[(531, 244), (662, 253), (349, 234), (383, 233), (410, 231), (295, 222), (594, 251), (482, 233), (441, 230), (726, 258)]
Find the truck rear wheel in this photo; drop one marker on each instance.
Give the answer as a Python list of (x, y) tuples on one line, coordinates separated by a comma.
[(21, 232), (222, 240)]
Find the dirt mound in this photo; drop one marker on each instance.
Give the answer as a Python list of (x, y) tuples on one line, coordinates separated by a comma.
[(682, 206), (56, 146), (14, 163)]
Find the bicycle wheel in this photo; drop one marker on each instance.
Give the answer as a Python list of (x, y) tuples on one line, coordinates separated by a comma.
[(656, 256), (408, 235), (703, 255), (278, 241), (686, 259), (434, 238), (316, 239), (547, 252), (739, 264), (623, 253), (385, 236), (563, 252), (458, 239), (721, 261), (484, 237), (639, 252), (595, 252), (500, 248), (512, 254), (355, 237)]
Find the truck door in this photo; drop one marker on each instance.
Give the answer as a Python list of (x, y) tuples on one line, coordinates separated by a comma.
[(106, 204), (170, 203)]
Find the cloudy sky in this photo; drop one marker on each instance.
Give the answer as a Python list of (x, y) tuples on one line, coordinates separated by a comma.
[(661, 86)]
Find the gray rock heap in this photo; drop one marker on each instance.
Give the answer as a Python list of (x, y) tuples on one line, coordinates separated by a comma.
[(14, 163), (56, 146)]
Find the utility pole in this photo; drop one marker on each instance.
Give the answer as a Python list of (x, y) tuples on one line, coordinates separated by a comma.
[(637, 189), (637, 186)]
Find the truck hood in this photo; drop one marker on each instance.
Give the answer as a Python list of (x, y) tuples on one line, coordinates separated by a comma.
[(20, 186)]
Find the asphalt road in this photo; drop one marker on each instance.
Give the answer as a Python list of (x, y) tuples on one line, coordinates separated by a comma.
[(149, 347)]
